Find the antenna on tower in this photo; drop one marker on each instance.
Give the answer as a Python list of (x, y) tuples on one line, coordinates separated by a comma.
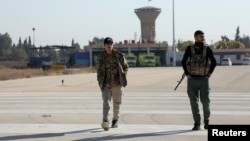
[(135, 36)]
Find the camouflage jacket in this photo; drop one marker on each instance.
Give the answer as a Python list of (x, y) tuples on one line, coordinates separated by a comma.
[(108, 69)]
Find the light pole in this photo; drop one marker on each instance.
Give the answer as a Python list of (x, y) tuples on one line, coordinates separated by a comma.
[(174, 48), (33, 36)]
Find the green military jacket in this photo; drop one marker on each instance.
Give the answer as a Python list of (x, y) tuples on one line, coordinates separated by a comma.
[(105, 68)]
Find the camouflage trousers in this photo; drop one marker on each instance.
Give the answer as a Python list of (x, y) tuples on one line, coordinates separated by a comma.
[(198, 89), (113, 94)]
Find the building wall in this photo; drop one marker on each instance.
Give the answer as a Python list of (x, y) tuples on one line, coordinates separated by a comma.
[(236, 56), (166, 53)]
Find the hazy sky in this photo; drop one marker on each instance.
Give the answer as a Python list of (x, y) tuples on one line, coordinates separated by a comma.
[(57, 22)]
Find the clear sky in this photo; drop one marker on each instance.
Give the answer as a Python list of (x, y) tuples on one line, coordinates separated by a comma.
[(57, 22)]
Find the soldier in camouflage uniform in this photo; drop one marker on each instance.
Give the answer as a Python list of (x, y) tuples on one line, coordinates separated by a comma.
[(198, 64), (112, 68)]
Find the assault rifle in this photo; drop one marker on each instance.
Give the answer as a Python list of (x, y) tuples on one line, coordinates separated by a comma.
[(179, 82)]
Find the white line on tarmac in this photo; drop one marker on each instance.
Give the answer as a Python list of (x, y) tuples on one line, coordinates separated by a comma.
[(124, 112)]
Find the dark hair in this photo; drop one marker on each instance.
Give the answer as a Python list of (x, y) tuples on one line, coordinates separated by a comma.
[(198, 32)]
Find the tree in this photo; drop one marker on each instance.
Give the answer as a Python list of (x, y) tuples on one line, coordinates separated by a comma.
[(5, 41), (237, 35), (18, 54), (224, 38), (5, 46), (231, 44), (238, 42), (183, 45), (245, 40), (20, 44)]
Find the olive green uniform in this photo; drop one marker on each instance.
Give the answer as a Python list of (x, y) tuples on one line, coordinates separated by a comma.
[(199, 63)]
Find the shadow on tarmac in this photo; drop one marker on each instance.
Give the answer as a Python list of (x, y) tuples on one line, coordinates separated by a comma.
[(94, 130), (119, 137), (44, 135), (129, 136)]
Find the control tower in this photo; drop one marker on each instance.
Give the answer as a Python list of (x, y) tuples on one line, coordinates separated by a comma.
[(147, 16)]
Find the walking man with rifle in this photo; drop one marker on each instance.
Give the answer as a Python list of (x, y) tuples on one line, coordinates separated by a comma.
[(198, 64)]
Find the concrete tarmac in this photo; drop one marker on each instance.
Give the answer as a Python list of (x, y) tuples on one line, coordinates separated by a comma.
[(44, 109)]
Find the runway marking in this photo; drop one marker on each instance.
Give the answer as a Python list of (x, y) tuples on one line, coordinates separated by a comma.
[(161, 112)]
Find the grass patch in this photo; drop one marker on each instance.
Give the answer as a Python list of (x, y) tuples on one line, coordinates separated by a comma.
[(11, 73)]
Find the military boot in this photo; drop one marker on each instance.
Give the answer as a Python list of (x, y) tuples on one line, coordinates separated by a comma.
[(196, 127), (206, 122), (114, 124), (105, 125)]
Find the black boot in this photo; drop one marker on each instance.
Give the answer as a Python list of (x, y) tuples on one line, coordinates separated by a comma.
[(114, 124), (206, 122), (196, 127)]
